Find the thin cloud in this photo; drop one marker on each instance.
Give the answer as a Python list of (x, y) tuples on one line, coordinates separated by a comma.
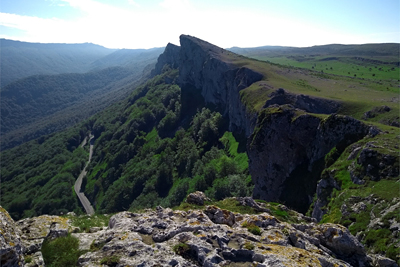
[(155, 26)]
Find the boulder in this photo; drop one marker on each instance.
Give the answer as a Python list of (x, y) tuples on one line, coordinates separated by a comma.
[(197, 198), (220, 216), (35, 230), (380, 261)]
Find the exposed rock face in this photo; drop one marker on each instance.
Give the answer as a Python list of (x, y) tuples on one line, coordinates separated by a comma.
[(197, 198), (35, 230), (170, 56), (11, 247), (370, 161), (213, 237), (374, 164), (324, 189), (303, 102), (149, 239), (375, 111), (206, 67), (287, 149)]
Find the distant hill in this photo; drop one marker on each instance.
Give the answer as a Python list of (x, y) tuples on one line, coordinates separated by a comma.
[(390, 50), (42, 104), (22, 59), (127, 58), (367, 61)]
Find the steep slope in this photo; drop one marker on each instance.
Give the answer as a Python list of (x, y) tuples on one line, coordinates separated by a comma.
[(179, 132), (128, 58), (21, 59), (32, 98), (154, 152), (290, 150), (44, 104)]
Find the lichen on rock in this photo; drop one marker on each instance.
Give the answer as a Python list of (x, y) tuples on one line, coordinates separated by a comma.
[(11, 247)]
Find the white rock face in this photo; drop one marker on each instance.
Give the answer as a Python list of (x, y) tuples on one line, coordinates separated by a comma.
[(209, 237), (35, 230), (216, 237), (11, 248)]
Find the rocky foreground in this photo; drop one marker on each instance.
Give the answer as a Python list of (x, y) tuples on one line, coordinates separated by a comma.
[(200, 237)]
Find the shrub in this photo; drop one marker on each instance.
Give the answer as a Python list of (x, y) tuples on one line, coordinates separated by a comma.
[(28, 259), (181, 249), (252, 228), (86, 222), (63, 251), (248, 246), (110, 260)]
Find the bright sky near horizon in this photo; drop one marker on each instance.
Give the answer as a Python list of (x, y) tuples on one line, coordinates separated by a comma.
[(226, 23)]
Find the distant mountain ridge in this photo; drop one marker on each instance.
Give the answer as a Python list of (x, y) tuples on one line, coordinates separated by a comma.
[(23, 59), (47, 87), (382, 49)]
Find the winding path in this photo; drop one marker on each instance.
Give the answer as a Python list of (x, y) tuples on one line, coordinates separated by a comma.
[(83, 199)]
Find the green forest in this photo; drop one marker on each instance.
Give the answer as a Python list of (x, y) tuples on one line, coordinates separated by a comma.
[(148, 151)]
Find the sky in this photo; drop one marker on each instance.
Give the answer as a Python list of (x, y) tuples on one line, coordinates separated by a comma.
[(226, 23)]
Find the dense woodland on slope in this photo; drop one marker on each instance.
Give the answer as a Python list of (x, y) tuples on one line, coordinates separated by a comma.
[(42, 104), (160, 143), (148, 152)]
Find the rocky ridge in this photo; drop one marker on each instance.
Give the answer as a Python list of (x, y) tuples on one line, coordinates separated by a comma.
[(200, 237), (289, 149), (205, 68)]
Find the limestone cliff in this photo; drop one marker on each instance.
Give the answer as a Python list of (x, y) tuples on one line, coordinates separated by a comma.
[(287, 145), (11, 248), (169, 57), (206, 68), (209, 236), (287, 150)]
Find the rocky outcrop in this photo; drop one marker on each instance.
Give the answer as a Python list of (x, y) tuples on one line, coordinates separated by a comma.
[(36, 230), (209, 237), (392, 120), (370, 161), (206, 238), (11, 247), (197, 198), (24, 239), (287, 150), (207, 68), (303, 102), (375, 111), (169, 57)]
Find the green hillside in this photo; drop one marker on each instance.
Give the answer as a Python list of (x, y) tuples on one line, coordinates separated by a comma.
[(164, 141), (377, 62), (147, 152)]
